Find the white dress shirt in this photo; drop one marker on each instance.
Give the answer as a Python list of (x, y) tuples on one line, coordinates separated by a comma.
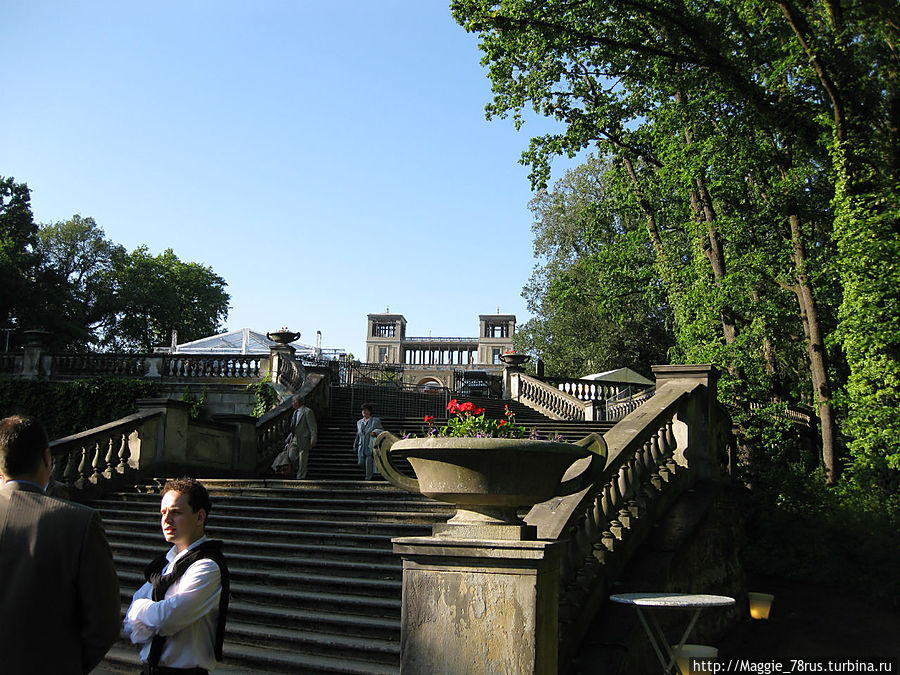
[(186, 617)]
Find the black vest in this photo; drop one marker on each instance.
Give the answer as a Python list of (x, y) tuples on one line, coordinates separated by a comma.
[(211, 549)]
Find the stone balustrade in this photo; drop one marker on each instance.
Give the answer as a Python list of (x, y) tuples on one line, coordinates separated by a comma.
[(102, 456), (275, 425), (655, 453), (110, 365), (10, 364), (619, 409), (549, 400), (586, 390), (247, 367)]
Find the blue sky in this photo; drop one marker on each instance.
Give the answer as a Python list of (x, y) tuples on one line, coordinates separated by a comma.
[(328, 160)]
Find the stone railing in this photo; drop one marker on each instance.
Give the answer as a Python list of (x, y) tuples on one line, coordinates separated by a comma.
[(549, 400), (274, 426), (110, 365), (616, 410), (10, 363), (654, 454), (587, 390), (182, 366), (100, 457)]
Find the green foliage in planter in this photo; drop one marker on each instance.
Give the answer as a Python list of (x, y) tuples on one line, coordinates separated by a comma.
[(70, 407)]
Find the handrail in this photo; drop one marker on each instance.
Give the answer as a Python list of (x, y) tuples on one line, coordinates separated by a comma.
[(587, 390), (273, 427), (10, 363), (237, 366), (122, 365), (99, 455), (616, 410), (549, 400), (646, 470)]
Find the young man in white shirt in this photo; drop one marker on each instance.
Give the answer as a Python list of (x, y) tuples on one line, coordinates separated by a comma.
[(178, 616)]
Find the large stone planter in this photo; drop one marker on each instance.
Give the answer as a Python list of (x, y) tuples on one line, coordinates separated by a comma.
[(283, 337), (515, 359), (490, 479)]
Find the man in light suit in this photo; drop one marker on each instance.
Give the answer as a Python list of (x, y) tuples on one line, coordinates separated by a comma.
[(303, 435), (59, 594)]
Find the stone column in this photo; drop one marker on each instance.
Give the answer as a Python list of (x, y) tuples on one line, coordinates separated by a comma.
[(35, 361), (698, 420), (473, 607)]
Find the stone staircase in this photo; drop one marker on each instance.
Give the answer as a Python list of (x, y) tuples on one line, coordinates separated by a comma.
[(316, 587)]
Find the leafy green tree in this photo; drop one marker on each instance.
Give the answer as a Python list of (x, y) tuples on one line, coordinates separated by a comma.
[(79, 257), (19, 262), (595, 296), (760, 146), (155, 295)]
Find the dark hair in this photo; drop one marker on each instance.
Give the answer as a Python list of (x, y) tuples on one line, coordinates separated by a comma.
[(23, 440), (197, 494), (367, 406)]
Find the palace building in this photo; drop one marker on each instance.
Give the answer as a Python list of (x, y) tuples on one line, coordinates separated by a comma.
[(427, 360)]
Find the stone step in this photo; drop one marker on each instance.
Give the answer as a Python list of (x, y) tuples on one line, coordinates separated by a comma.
[(385, 583), (341, 603), (138, 555), (338, 546), (369, 520)]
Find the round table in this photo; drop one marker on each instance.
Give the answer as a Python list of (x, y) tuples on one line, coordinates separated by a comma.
[(651, 601)]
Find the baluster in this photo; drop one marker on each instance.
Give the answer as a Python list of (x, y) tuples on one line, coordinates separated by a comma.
[(58, 467), (86, 466), (669, 447), (655, 460), (112, 457), (99, 463), (124, 454), (74, 461), (627, 484)]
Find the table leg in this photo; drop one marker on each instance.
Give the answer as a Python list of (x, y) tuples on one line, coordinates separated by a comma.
[(653, 633), (684, 639)]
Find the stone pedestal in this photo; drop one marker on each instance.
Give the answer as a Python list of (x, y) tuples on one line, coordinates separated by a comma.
[(475, 607)]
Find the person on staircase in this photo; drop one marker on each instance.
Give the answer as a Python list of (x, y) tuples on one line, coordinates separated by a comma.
[(367, 430), (178, 616), (299, 442)]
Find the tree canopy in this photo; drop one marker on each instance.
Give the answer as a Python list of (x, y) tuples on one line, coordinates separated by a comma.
[(90, 293), (758, 143)]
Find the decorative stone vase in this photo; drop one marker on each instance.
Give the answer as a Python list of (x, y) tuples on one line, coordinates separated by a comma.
[(283, 337), (490, 479), (37, 337), (514, 359)]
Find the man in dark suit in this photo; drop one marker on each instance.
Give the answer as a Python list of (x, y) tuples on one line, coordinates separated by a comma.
[(59, 594)]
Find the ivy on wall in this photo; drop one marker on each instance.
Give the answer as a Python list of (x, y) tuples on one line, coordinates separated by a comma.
[(70, 407)]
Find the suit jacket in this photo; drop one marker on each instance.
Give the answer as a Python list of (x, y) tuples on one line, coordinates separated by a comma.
[(303, 428), (59, 594), (364, 441)]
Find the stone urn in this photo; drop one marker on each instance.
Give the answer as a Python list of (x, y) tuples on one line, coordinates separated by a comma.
[(283, 337), (515, 359), (490, 479)]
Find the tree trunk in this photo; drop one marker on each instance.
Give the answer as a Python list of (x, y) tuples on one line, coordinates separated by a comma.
[(815, 350)]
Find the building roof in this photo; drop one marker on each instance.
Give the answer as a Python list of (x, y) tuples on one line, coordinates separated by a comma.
[(620, 375)]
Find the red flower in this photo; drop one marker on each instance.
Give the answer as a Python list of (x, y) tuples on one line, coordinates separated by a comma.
[(478, 411), (501, 423), (429, 419), (453, 407), (466, 407)]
